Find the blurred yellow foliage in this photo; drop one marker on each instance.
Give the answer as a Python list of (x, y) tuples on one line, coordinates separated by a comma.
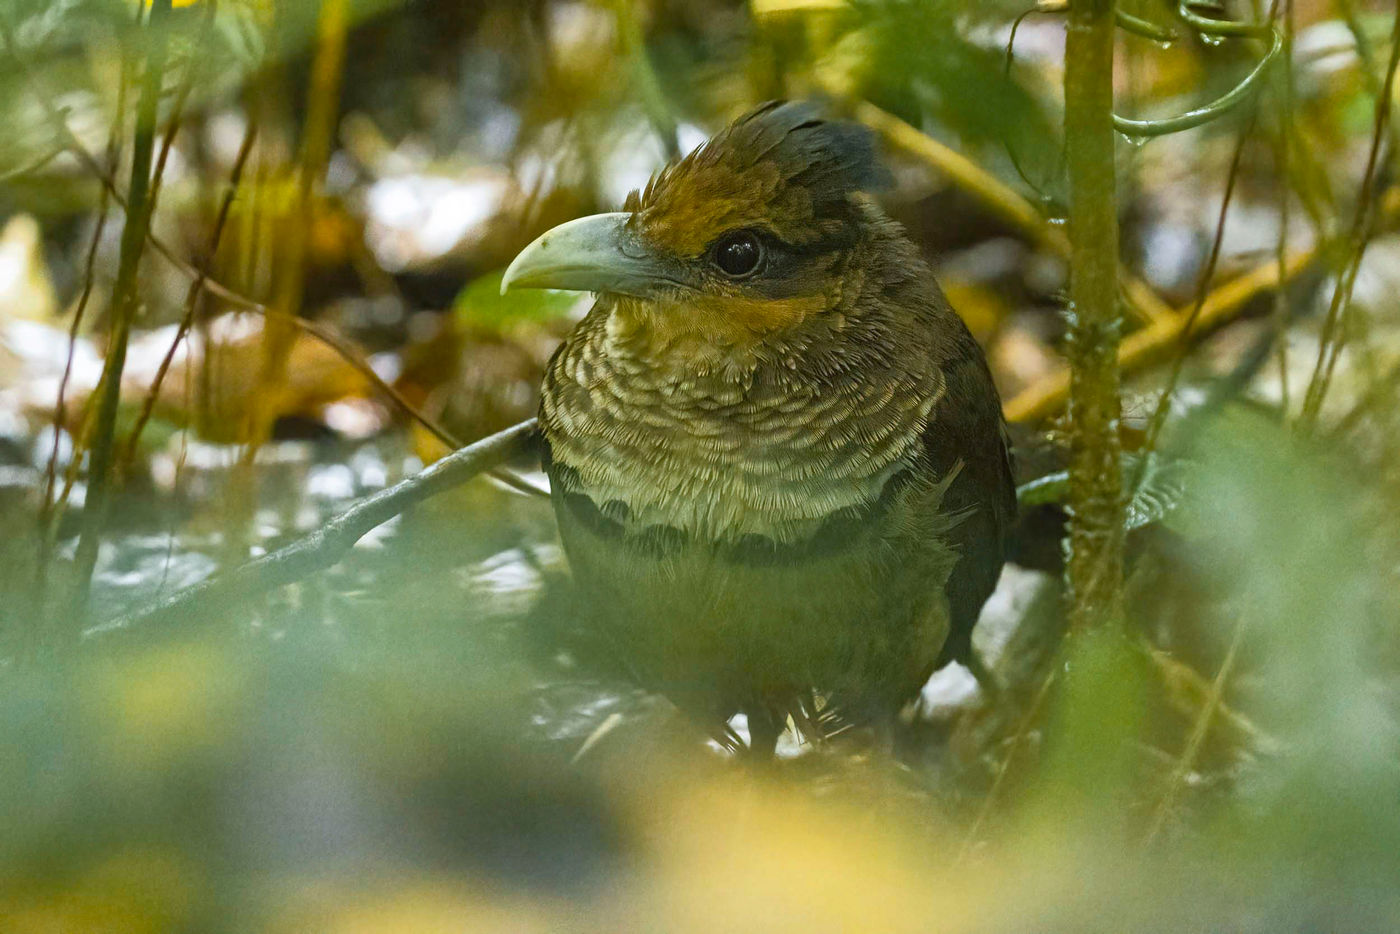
[(164, 707), (132, 891)]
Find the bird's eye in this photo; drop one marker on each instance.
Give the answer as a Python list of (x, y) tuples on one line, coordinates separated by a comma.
[(738, 254)]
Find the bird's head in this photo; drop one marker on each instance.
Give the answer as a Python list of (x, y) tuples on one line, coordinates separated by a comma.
[(749, 234)]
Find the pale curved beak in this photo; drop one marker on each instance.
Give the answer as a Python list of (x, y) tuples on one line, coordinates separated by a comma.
[(591, 254)]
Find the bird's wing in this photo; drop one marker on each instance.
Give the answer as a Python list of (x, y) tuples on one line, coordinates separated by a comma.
[(967, 429)]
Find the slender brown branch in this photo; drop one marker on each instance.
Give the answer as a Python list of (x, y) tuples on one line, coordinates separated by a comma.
[(327, 545), (47, 506), (1363, 227), (346, 352), (1199, 730), (196, 287), (33, 165), (61, 403), (1164, 400), (236, 299), (319, 332)]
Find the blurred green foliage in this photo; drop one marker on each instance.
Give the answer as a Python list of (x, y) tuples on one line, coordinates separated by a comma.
[(381, 751)]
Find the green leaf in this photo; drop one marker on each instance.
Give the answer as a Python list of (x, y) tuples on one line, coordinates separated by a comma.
[(1158, 494), (920, 62), (482, 305)]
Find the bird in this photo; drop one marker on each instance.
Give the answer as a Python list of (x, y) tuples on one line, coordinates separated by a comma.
[(776, 454)]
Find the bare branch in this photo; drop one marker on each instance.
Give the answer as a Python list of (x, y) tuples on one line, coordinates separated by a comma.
[(327, 545)]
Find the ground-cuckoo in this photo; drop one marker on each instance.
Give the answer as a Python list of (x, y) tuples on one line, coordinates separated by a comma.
[(776, 454)]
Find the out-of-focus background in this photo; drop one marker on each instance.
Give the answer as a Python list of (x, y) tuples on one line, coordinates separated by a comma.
[(415, 739)]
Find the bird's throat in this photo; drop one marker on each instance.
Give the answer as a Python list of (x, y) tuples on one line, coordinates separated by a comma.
[(705, 331)]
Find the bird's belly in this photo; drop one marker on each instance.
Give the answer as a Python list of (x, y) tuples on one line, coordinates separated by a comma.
[(860, 619)]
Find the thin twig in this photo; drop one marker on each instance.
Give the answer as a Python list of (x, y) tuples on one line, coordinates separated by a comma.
[(355, 359), (1187, 690), (196, 288), (1164, 401), (1333, 336), (61, 404), (1199, 730), (1144, 348), (47, 508), (33, 165), (328, 544), (1018, 739)]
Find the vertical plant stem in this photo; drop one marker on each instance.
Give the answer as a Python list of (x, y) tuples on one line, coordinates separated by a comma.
[(323, 104), (1370, 66), (124, 297), (195, 63), (1095, 566)]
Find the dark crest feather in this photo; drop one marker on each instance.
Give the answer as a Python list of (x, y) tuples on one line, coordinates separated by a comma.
[(830, 158)]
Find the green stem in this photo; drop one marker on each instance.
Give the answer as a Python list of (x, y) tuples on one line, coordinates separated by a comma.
[(318, 135), (1095, 567), (1219, 27), (124, 298), (1146, 28), (1193, 118)]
